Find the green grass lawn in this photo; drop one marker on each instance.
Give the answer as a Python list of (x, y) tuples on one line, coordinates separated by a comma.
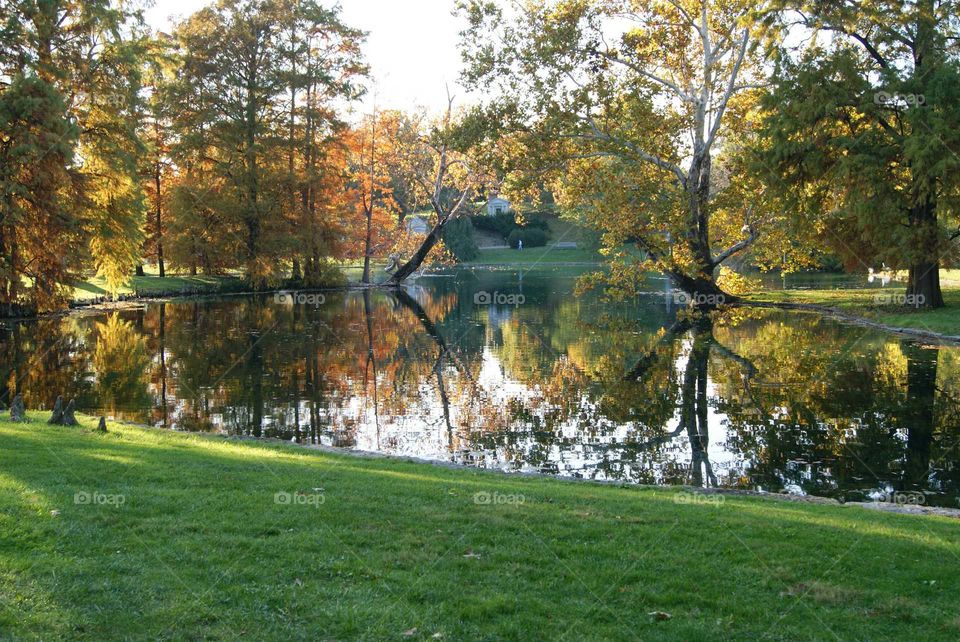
[(864, 303), (531, 255), (154, 285), (143, 534)]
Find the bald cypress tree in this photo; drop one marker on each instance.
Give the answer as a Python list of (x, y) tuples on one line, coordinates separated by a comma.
[(862, 134)]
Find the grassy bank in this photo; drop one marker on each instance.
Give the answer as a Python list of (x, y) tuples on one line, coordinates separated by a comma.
[(155, 535), (877, 305), (153, 285)]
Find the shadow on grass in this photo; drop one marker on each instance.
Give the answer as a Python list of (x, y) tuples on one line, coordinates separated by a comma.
[(201, 546)]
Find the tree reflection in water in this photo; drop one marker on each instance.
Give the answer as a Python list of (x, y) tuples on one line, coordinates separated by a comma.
[(569, 385)]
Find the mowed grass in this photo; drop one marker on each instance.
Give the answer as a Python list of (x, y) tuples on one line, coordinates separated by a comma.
[(182, 537), (873, 304), (534, 255), (154, 285)]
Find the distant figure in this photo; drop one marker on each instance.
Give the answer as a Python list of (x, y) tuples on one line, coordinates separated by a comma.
[(884, 275), (520, 244)]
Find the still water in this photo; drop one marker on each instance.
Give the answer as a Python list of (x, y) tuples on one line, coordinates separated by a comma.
[(513, 371)]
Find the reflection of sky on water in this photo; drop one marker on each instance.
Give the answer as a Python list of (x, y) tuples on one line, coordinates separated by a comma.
[(539, 386)]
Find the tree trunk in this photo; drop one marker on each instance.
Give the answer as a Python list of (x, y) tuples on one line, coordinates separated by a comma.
[(699, 291), (252, 214), (159, 223), (701, 287), (366, 247), (420, 255), (923, 285)]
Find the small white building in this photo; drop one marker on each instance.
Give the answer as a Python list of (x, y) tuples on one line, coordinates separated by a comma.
[(416, 225), (497, 205)]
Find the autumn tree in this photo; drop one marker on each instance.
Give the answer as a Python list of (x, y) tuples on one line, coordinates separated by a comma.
[(372, 153), (260, 78), (627, 104), (73, 68), (444, 171), (38, 228), (155, 130)]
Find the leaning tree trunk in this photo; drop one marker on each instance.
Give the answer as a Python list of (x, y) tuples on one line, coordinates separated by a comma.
[(420, 255)]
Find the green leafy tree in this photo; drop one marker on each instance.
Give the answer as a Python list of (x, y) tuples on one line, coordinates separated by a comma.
[(862, 133), (37, 227)]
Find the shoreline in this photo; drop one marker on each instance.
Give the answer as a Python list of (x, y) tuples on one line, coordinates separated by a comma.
[(889, 507), (133, 301), (846, 317)]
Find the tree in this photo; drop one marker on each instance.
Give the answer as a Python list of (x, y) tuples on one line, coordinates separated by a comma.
[(444, 172), (862, 133), (38, 231), (373, 151), (626, 103), (88, 53), (155, 125), (259, 79)]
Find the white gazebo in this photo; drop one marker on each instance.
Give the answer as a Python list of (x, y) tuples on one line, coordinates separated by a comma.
[(497, 205)]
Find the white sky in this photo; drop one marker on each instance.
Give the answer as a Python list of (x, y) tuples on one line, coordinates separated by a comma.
[(411, 47)]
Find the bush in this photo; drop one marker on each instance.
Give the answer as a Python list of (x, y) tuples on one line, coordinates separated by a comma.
[(457, 235), (535, 220), (531, 237), (501, 224)]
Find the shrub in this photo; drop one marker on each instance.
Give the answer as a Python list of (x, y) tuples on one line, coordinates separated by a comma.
[(535, 220), (501, 224), (457, 235), (531, 237)]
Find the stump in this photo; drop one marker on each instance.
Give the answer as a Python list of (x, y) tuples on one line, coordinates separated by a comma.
[(68, 418), (57, 416), (102, 426), (17, 410)]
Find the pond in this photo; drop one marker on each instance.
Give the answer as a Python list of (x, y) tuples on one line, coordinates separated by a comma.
[(514, 371)]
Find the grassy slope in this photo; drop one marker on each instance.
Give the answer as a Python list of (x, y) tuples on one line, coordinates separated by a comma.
[(200, 549), (863, 303), (153, 285), (560, 231), (532, 255)]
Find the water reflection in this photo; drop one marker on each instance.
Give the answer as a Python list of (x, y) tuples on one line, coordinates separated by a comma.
[(574, 386)]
